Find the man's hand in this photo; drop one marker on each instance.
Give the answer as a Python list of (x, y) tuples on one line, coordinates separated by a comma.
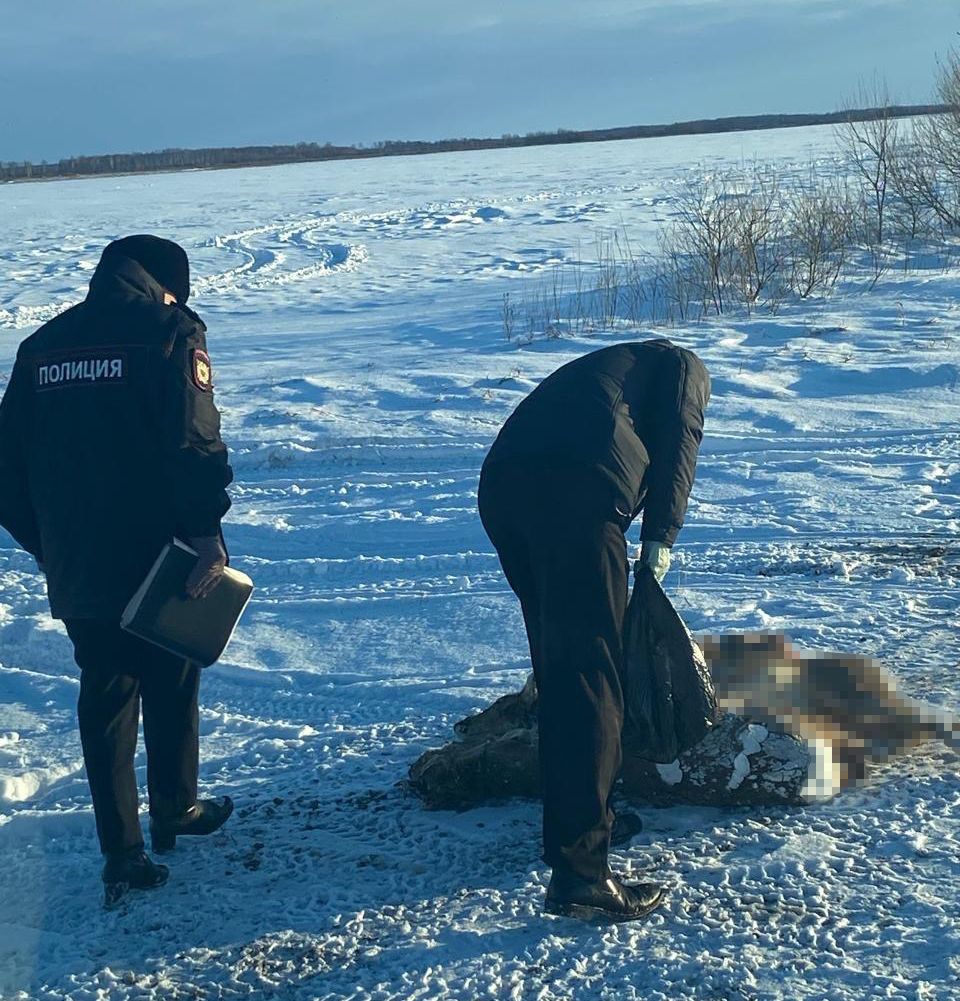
[(211, 559), (656, 556)]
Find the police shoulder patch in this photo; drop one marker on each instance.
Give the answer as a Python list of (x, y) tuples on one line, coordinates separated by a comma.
[(202, 369)]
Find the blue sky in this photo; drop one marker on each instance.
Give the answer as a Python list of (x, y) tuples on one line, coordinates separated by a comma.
[(87, 76)]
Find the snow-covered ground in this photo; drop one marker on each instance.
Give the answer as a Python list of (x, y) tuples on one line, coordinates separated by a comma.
[(360, 363)]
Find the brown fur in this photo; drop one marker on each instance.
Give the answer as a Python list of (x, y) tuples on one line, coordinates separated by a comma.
[(852, 702)]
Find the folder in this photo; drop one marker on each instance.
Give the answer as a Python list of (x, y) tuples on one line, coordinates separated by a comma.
[(197, 629)]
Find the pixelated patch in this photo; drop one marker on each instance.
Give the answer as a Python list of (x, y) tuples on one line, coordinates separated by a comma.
[(202, 370)]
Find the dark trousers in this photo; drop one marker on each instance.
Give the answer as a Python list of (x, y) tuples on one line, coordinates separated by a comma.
[(562, 549), (117, 673)]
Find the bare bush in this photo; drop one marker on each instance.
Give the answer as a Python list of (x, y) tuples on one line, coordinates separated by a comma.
[(818, 242), (930, 174), (729, 245), (677, 283), (705, 237), (912, 211), (869, 146), (758, 241), (930, 170)]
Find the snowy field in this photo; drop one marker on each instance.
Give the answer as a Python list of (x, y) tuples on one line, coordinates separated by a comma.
[(362, 371)]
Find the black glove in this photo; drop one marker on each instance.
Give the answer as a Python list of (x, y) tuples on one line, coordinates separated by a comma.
[(211, 559)]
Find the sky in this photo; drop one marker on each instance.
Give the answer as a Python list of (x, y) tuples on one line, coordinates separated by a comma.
[(96, 76)]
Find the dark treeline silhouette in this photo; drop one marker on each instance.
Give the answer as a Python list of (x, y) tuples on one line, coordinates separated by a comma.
[(256, 156)]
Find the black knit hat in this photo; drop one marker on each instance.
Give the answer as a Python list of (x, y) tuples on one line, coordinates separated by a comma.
[(165, 261)]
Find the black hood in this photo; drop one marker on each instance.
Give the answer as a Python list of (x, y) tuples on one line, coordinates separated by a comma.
[(163, 260)]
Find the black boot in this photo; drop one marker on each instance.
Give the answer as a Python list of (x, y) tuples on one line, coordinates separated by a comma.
[(205, 817), (626, 826), (606, 899), (132, 869)]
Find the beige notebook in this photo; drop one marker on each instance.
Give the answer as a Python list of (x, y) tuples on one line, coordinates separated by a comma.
[(196, 629)]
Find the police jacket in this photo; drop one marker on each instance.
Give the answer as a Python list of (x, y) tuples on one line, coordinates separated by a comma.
[(110, 441), (629, 416)]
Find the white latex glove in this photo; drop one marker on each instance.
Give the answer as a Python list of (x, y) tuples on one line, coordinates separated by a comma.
[(656, 556)]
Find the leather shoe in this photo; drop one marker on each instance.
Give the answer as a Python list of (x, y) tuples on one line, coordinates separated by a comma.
[(204, 817), (607, 899), (626, 826), (131, 869)]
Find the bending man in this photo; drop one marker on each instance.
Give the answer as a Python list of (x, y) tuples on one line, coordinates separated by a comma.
[(603, 438)]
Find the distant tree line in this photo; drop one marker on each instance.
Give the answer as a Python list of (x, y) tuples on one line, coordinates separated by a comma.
[(255, 156)]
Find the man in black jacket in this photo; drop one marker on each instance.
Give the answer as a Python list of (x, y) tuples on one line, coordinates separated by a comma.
[(609, 435), (109, 446)]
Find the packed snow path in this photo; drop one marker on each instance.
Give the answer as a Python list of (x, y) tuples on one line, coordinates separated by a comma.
[(354, 314)]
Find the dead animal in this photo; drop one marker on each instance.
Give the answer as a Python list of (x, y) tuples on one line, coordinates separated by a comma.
[(851, 703)]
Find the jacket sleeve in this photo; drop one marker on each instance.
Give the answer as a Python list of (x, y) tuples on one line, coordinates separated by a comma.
[(16, 507), (673, 443), (194, 454)]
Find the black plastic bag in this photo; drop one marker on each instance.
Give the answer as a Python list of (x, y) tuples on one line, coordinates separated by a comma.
[(669, 700)]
